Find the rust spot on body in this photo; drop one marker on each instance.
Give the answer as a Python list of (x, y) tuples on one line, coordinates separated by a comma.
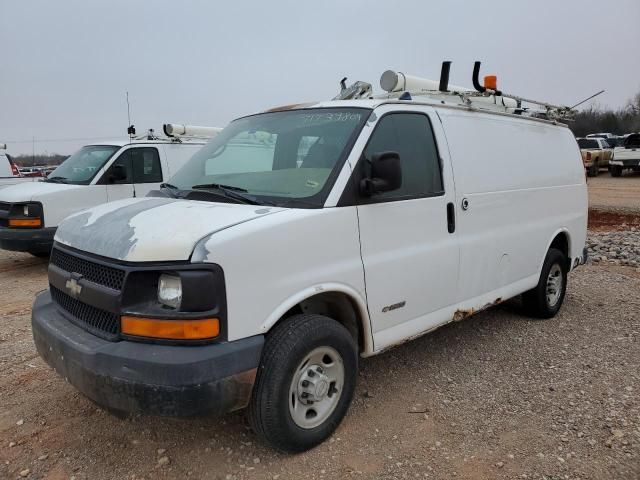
[(462, 314)]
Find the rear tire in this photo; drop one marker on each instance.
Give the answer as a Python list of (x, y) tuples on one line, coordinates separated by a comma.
[(40, 254), (594, 170), (545, 299), (616, 171), (305, 382)]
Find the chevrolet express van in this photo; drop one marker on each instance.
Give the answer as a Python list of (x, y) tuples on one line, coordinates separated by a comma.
[(96, 174), (302, 239)]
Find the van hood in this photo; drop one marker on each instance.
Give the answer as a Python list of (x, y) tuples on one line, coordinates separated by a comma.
[(34, 191), (152, 229)]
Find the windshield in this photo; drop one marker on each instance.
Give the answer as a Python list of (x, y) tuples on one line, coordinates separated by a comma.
[(285, 158), (586, 143), (632, 141), (82, 166)]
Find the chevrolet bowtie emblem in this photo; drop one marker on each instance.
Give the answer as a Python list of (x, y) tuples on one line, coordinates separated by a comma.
[(73, 287)]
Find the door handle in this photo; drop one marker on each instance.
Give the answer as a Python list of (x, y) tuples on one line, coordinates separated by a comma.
[(451, 217)]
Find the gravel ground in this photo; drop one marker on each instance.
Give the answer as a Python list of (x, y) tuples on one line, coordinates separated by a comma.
[(496, 396), (619, 248)]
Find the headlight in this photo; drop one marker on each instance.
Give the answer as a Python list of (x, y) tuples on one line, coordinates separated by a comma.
[(170, 291), (26, 215)]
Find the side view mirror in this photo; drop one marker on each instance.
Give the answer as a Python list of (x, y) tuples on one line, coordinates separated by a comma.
[(118, 173), (386, 174)]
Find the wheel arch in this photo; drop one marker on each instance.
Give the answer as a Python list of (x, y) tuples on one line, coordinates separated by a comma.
[(560, 240), (338, 301)]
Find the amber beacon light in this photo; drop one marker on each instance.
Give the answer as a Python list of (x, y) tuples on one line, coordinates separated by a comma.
[(491, 82)]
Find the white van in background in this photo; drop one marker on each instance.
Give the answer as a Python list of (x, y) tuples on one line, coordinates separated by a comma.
[(96, 174), (303, 238)]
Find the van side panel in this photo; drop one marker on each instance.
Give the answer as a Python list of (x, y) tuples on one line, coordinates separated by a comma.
[(524, 183), (176, 155)]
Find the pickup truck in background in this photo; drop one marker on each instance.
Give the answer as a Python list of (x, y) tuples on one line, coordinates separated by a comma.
[(9, 173), (596, 154), (627, 156)]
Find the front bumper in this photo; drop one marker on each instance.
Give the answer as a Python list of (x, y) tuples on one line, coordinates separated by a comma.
[(153, 379), (27, 239)]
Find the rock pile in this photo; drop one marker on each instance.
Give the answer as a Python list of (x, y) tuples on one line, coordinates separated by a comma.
[(620, 248)]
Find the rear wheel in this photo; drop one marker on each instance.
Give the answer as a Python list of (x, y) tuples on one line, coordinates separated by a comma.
[(305, 382), (594, 169), (616, 171), (545, 299)]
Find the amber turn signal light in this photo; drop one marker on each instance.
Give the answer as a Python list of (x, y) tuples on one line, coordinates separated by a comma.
[(25, 222), (201, 329)]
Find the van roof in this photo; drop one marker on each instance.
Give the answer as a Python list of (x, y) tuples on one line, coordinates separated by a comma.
[(374, 102), (123, 142)]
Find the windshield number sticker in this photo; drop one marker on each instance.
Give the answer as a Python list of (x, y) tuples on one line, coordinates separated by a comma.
[(331, 117)]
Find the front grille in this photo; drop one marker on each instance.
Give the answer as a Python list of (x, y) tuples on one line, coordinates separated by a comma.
[(99, 322), (94, 272), (4, 214)]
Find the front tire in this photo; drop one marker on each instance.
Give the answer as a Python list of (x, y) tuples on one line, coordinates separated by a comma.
[(545, 299), (40, 253), (305, 382), (616, 171)]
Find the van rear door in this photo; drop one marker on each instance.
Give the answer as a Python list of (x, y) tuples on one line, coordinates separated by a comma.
[(408, 244)]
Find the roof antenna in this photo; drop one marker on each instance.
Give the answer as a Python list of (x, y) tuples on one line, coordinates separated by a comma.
[(131, 129), (586, 99)]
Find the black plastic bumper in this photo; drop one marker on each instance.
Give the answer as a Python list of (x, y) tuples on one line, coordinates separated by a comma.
[(39, 240), (147, 378)]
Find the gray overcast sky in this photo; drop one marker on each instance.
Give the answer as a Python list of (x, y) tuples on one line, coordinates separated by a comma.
[(65, 65)]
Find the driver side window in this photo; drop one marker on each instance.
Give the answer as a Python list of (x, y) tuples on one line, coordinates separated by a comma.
[(123, 160), (410, 135)]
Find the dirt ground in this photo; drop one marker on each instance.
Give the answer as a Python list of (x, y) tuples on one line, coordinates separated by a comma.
[(618, 194), (496, 396)]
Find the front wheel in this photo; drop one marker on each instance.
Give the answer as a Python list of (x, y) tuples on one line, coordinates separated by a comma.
[(40, 253), (545, 299), (305, 382), (616, 171)]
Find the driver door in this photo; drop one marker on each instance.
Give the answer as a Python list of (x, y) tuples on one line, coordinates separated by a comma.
[(118, 189), (408, 242)]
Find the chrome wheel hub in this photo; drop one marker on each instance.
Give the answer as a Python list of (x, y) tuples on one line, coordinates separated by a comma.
[(554, 285), (316, 387)]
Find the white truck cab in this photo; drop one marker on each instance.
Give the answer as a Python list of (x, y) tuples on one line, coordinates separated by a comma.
[(627, 156), (303, 238), (95, 174)]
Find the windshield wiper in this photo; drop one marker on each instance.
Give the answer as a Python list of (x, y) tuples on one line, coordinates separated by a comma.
[(172, 191), (55, 179), (220, 186), (228, 191)]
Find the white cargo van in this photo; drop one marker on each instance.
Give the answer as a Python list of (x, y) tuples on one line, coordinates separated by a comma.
[(303, 238), (95, 174)]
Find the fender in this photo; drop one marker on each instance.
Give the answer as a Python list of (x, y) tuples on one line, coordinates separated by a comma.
[(550, 241), (311, 291)]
